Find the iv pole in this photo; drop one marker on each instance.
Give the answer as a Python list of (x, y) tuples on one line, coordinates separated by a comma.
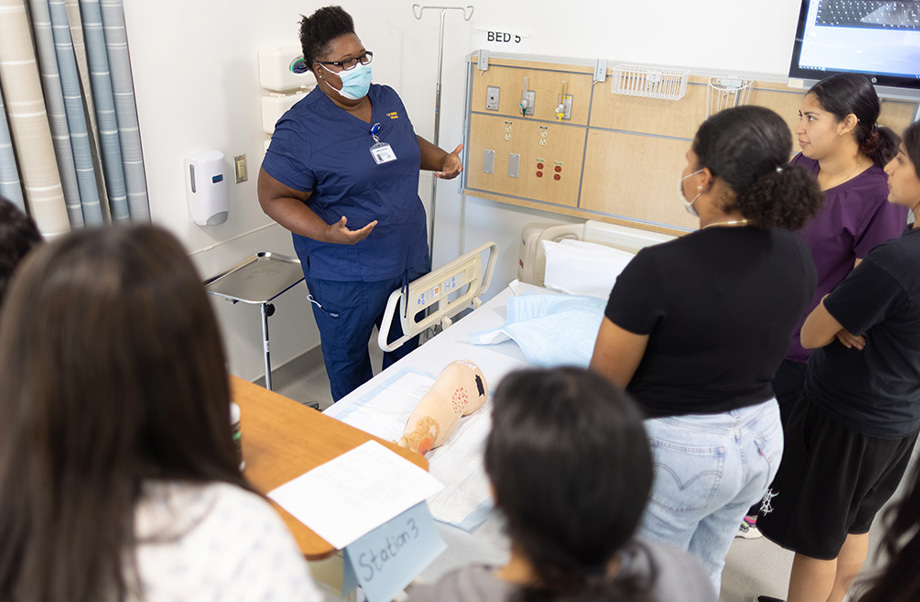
[(417, 11)]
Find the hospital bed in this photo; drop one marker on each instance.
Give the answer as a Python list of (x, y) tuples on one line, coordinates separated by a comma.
[(382, 405)]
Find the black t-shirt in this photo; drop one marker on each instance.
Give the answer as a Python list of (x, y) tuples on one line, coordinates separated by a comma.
[(876, 391), (719, 305)]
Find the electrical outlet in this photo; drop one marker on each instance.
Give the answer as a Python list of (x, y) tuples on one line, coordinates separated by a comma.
[(239, 168), (493, 94)]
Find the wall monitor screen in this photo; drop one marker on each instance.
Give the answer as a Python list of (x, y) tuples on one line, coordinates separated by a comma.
[(880, 39)]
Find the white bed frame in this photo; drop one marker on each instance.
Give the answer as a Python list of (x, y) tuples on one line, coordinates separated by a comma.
[(446, 291)]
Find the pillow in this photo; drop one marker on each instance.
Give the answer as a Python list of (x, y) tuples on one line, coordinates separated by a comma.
[(583, 268)]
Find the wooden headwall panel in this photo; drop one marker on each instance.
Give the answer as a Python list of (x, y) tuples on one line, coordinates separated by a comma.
[(618, 157), (558, 160), (636, 177)]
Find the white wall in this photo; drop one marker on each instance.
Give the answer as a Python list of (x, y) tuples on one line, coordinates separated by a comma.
[(196, 78)]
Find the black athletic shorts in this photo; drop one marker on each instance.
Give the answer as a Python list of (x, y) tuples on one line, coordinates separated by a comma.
[(831, 483)]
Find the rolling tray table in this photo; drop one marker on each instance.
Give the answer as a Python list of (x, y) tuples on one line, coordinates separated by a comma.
[(259, 279)]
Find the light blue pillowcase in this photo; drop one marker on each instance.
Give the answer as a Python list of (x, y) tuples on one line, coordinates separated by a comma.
[(551, 330)]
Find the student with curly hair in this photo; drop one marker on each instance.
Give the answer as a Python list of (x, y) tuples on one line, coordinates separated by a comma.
[(695, 328)]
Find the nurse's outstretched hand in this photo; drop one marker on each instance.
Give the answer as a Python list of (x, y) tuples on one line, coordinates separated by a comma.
[(338, 232), (451, 166)]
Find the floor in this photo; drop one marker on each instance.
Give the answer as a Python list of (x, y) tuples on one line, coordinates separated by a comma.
[(753, 566), (304, 378)]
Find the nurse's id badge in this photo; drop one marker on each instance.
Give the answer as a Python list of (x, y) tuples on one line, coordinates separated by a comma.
[(382, 153)]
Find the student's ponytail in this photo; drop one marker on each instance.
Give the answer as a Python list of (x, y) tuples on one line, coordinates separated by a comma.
[(880, 144), (785, 197)]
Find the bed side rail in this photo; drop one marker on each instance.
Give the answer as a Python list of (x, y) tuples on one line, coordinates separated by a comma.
[(439, 295)]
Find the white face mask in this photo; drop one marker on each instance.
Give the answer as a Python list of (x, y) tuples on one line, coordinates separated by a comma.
[(688, 205)]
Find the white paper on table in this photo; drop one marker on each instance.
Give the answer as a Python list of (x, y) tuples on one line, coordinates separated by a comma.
[(356, 492), (459, 464), (384, 412)]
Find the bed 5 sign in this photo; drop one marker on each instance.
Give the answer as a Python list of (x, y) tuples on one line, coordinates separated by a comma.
[(503, 40), (387, 559)]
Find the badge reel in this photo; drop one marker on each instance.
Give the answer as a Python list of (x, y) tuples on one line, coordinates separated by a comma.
[(381, 151)]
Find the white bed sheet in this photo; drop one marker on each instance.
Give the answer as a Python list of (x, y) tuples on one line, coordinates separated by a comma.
[(487, 543)]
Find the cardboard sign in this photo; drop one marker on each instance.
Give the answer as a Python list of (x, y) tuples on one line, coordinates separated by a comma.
[(387, 559)]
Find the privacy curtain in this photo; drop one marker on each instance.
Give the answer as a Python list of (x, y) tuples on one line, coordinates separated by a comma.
[(70, 150)]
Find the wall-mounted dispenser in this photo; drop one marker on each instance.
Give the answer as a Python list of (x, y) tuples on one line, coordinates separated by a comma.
[(282, 71), (283, 68), (206, 188)]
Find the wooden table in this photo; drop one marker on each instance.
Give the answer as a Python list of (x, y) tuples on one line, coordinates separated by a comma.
[(283, 439)]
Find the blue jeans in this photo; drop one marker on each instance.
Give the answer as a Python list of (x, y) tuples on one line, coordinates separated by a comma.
[(709, 469), (346, 313)]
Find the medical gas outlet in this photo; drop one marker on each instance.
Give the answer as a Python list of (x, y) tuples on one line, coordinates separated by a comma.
[(564, 108), (528, 98)]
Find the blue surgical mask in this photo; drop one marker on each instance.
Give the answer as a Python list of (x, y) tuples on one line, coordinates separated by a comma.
[(355, 82), (688, 205)]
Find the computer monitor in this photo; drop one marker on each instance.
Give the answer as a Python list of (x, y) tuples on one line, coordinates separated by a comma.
[(880, 39)]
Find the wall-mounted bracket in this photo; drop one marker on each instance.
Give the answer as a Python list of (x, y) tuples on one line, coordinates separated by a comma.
[(600, 70)]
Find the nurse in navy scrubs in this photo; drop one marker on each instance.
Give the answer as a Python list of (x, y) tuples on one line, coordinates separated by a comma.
[(342, 174)]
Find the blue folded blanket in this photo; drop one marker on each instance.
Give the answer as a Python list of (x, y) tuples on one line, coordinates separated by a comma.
[(551, 330)]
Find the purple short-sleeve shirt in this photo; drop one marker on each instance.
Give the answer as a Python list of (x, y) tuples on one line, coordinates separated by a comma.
[(856, 217)]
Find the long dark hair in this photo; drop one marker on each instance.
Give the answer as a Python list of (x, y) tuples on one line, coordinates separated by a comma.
[(18, 234), (571, 468), (900, 580), (911, 143), (320, 28), (850, 93), (748, 148), (111, 374)]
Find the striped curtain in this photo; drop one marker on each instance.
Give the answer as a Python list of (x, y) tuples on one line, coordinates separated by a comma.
[(62, 61), (10, 186)]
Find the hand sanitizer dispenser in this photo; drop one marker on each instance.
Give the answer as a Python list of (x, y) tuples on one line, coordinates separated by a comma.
[(206, 188)]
